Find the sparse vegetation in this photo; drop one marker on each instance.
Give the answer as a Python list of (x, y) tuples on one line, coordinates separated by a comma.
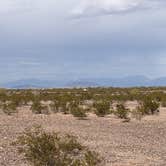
[(121, 111), (61, 100), (78, 112), (102, 108), (148, 107), (41, 148), (37, 108), (9, 108), (137, 114)]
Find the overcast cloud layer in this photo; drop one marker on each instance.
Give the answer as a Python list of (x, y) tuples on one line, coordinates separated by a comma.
[(104, 7), (82, 38)]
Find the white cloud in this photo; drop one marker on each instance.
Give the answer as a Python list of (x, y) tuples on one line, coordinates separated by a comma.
[(102, 7)]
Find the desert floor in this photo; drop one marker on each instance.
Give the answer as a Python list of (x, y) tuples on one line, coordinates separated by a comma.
[(121, 144)]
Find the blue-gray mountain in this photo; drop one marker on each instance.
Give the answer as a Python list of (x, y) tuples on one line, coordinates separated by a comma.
[(131, 81)]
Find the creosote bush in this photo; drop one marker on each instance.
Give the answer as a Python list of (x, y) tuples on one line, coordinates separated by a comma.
[(102, 108), (42, 148), (37, 108), (149, 107), (61, 99), (9, 108), (78, 112), (121, 111)]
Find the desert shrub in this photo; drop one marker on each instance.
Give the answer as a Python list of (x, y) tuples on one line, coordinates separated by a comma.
[(102, 108), (37, 108), (54, 107), (137, 114), (9, 108), (78, 112), (91, 159), (63, 107), (121, 111), (41, 148), (149, 107), (16, 100)]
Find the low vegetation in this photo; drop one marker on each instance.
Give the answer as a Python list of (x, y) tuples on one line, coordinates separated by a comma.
[(149, 107), (37, 108), (79, 102), (121, 111), (41, 148), (78, 112), (102, 108), (9, 108)]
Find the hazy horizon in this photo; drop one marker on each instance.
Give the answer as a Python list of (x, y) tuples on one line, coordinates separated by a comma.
[(54, 39)]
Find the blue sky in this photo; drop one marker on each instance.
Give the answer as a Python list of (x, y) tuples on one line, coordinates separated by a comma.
[(60, 39)]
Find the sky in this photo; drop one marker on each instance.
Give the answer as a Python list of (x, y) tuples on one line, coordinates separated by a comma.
[(61, 39)]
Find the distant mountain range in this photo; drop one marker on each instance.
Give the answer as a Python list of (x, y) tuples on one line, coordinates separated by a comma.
[(130, 81)]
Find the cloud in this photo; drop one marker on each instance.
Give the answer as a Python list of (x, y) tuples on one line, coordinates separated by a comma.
[(88, 8), (12, 6)]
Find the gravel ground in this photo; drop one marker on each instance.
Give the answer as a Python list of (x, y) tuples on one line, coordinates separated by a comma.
[(121, 144)]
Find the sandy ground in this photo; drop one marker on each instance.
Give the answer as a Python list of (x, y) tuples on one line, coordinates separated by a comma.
[(121, 144)]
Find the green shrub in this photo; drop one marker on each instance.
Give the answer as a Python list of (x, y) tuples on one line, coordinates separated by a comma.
[(78, 112), (102, 108), (121, 111), (63, 107), (9, 108), (37, 108), (149, 107), (41, 148)]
